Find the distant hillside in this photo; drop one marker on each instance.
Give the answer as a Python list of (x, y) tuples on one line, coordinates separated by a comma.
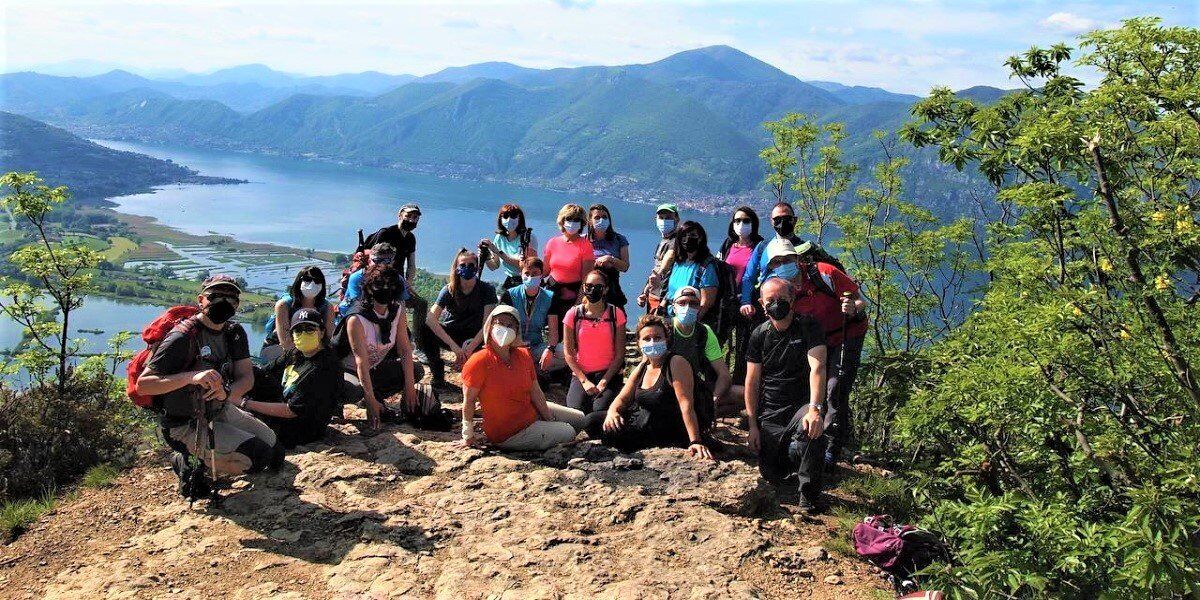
[(89, 169), (688, 127)]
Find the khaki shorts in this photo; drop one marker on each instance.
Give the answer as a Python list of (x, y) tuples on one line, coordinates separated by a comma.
[(233, 426)]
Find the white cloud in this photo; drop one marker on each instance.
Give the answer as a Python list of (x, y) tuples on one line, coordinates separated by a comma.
[(1068, 22)]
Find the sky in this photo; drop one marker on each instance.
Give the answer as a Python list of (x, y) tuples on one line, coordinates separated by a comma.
[(900, 45)]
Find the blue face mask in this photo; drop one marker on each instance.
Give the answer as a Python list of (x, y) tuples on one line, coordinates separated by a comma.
[(686, 315), (654, 349), (787, 271), (532, 283), (600, 224), (665, 226), (467, 271), (510, 224)]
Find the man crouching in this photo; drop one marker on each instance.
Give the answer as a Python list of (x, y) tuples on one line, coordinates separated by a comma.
[(200, 373)]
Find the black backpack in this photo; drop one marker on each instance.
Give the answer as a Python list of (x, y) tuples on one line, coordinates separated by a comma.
[(722, 316)]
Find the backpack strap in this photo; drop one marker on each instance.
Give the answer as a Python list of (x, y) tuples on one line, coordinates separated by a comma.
[(818, 280)]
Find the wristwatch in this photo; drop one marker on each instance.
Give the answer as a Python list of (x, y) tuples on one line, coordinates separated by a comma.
[(242, 403), (818, 407)]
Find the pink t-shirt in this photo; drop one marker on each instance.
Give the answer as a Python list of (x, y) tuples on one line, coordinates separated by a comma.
[(594, 342), (564, 259), (738, 257)]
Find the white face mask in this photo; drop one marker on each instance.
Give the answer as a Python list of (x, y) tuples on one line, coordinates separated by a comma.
[(572, 227), (510, 224), (741, 228), (310, 289), (503, 336)]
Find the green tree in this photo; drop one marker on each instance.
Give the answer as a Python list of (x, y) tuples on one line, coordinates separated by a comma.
[(1058, 428), (805, 165), (62, 274)]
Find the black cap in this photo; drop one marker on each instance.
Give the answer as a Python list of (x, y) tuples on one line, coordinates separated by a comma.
[(306, 316)]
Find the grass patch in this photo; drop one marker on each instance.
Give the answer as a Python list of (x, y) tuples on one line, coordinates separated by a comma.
[(120, 246), (18, 515), (100, 476), (888, 495), (842, 540), (90, 241)]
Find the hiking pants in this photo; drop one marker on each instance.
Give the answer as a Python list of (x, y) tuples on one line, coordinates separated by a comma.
[(420, 310), (432, 346), (580, 401), (543, 435), (838, 426), (784, 450), (244, 444)]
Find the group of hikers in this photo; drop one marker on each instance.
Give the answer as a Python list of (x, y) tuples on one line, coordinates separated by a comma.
[(770, 324)]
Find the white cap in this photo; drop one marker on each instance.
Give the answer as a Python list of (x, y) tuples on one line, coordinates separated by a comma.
[(780, 247)]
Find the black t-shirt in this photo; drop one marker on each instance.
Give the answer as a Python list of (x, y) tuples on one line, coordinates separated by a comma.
[(404, 241), (465, 312), (784, 359), (311, 388), (200, 349)]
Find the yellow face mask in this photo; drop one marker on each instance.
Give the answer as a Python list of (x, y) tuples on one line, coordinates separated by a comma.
[(307, 341)]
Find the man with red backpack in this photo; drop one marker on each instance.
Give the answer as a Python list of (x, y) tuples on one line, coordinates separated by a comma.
[(825, 293), (198, 376)]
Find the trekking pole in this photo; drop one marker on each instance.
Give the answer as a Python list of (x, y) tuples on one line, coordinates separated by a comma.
[(842, 353), (215, 497)]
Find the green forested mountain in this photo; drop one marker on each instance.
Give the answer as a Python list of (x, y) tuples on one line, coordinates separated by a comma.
[(686, 127), (89, 169)]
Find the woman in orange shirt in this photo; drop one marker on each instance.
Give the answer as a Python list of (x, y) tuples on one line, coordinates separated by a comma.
[(502, 377)]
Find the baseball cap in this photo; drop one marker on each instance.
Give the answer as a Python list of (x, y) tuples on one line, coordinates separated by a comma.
[(220, 280), (410, 207), (667, 206), (779, 247), (306, 316), (687, 290)]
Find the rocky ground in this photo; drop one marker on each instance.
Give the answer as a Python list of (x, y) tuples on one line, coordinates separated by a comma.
[(404, 513)]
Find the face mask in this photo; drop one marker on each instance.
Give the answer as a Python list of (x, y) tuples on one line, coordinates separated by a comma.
[(600, 224), (654, 349), (503, 336), (742, 228), (665, 226), (686, 315), (594, 294), (467, 271), (510, 225), (778, 309), (532, 283), (408, 225), (383, 295), (310, 289), (786, 227), (787, 271), (572, 227), (220, 311), (307, 342)]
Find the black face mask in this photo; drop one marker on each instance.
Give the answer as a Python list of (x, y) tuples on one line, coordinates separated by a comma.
[(383, 295), (408, 225), (785, 227), (220, 311), (778, 309), (594, 293)]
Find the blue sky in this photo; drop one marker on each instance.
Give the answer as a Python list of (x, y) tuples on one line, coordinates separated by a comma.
[(905, 46)]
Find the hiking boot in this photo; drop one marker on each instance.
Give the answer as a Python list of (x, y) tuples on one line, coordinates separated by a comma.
[(440, 419), (193, 481), (810, 506)]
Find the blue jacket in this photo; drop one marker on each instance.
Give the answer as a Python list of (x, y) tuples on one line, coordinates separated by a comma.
[(533, 324)]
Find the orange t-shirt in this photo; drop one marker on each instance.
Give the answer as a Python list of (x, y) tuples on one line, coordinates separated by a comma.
[(504, 391)]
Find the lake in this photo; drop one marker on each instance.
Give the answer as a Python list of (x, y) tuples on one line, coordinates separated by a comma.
[(309, 204)]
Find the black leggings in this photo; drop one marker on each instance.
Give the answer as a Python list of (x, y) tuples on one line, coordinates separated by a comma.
[(579, 400), (648, 431), (432, 346)]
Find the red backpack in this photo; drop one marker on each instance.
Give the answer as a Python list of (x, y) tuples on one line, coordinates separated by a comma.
[(153, 334), (358, 261)]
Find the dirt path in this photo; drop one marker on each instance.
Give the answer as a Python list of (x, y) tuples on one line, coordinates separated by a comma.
[(406, 513)]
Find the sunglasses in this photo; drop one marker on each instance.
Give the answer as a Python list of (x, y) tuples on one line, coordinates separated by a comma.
[(593, 287), (512, 214), (306, 328), (783, 219), (383, 260), (231, 298)]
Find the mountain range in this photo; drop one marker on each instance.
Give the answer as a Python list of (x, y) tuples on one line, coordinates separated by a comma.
[(687, 127), (90, 170)]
